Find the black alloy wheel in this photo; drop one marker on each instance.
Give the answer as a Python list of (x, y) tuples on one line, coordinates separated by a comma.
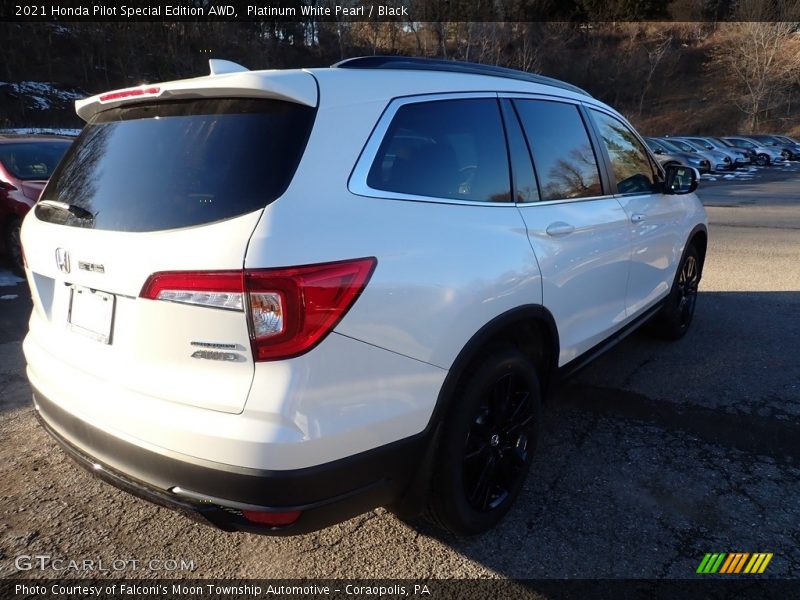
[(675, 317), (688, 281), (496, 447), (488, 438)]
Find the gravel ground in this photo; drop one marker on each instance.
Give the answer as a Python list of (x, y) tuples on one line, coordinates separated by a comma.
[(651, 457)]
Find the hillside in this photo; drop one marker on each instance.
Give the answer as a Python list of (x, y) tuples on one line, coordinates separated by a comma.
[(667, 78)]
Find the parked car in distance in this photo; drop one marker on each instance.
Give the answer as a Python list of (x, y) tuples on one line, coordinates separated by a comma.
[(669, 154), (739, 156), (787, 139), (764, 155), (26, 162), (719, 161), (281, 298), (789, 150)]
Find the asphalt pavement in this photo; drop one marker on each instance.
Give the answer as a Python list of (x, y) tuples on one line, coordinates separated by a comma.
[(653, 456)]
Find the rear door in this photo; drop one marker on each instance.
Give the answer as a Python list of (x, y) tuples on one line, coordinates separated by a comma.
[(148, 188), (656, 219), (578, 230)]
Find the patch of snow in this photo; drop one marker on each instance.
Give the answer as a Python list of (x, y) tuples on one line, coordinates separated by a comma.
[(41, 95), (708, 178), (42, 131), (9, 297), (9, 279), (729, 176)]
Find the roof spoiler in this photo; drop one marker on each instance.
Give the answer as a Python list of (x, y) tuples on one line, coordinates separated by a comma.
[(226, 80)]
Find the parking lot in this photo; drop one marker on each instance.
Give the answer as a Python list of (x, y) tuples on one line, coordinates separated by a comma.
[(653, 456)]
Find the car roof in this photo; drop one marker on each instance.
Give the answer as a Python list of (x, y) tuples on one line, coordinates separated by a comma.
[(357, 80), (401, 63)]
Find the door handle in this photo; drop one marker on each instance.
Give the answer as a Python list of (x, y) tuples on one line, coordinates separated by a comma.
[(559, 228), (637, 217)]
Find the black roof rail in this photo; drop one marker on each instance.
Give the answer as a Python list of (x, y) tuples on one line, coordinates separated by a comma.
[(452, 66)]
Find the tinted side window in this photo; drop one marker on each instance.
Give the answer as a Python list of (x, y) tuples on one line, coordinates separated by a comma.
[(451, 149), (522, 175), (563, 155), (632, 168)]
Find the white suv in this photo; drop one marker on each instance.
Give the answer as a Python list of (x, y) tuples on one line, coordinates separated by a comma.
[(281, 298)]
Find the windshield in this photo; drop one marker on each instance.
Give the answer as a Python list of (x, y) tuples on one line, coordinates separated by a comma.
[(669, 145), (681, 145), (694, 145), (30, 161), (158, 166)]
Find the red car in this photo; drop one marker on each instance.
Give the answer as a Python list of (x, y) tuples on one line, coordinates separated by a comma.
[(26, 163)]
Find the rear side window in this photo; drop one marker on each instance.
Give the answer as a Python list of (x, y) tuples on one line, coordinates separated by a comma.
[(453, 149), (565, 162), (632, 167), (159, 166)]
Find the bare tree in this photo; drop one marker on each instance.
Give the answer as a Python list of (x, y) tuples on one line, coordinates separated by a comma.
[(655, 54), (759, 51)]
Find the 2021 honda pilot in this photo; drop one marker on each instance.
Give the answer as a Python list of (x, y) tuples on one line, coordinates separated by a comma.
[(279, 299)]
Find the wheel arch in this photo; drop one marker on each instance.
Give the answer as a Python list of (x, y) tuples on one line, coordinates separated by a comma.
[(530, 328), (532, 321), (699, 239)]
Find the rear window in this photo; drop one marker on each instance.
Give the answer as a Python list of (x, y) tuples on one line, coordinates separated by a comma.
[(30, 161), (168, 165)]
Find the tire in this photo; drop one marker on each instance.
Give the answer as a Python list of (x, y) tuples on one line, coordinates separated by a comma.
[(762, 160), (675, 318), (490, 435), (14, 246)]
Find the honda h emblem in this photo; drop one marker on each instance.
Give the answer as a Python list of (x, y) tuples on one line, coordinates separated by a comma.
[(62, 260)]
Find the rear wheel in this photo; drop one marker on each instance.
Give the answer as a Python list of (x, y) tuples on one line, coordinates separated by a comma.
[(675, 317), (14, 246), (762, 160), (489, 438)]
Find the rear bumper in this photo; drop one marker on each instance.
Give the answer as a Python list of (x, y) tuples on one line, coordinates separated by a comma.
[(325, 494)]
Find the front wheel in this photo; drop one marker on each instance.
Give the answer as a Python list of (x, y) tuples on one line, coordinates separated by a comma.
[(489, 438), (762, 160), (674, 319)]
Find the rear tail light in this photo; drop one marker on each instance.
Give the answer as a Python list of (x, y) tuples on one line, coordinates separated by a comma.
[(218, 289), (292, 310), (289, 310)]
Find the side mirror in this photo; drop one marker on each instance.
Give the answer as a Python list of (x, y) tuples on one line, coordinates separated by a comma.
[(658, 151), (680, 180)]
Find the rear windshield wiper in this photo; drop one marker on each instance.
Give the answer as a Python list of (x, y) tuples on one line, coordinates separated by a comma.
[(74, 210)]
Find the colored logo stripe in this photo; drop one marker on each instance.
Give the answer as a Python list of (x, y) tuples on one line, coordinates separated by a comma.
[(735, 562), (711, 562)]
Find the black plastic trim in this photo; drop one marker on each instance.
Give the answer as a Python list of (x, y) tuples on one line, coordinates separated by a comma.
[(452, 66), (327, 493), (478, 341), (571, 368)]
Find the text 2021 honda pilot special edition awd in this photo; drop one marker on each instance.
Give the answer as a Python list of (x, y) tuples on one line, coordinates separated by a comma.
[(281, 298)]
